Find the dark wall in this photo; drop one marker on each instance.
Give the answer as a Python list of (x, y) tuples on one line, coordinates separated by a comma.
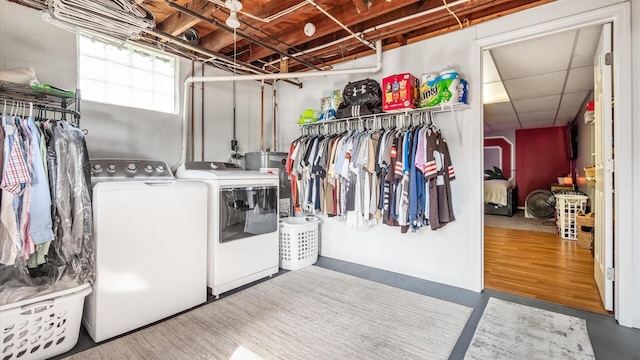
[(542, 155)]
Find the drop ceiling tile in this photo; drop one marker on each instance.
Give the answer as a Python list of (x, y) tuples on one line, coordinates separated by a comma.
[(537, 124), (586, 46), (502, 119), (537, 116), (488, 128), (494, 92), (535, 86), (565, 116), (537, 104), (580, 79), (536, 56), (489, 73), (498, 109), (574, 99)]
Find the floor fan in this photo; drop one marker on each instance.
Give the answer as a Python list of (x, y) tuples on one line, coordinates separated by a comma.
[(539, 204)]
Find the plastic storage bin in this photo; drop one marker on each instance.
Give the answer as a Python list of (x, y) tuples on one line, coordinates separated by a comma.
[(42, 327), (298, 242), (567, 206)]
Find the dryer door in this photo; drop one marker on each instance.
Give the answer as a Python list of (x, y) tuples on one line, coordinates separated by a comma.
[(247, 211)]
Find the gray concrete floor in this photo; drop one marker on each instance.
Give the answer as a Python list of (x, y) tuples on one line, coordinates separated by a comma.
[(609, 340)]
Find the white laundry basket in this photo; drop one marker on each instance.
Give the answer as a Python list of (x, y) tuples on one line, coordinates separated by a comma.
[(567, 206), (298, 242), (42, 327)]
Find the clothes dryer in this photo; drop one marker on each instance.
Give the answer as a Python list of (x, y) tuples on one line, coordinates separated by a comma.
[(150, 241), (243, 231)]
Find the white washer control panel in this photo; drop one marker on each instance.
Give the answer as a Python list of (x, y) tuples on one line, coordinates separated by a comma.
[(129, 169)]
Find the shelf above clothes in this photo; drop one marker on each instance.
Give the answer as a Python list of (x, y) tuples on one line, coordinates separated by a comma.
[(43, 96), (381, 120)]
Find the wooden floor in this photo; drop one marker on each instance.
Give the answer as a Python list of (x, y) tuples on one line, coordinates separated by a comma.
[(541, 266)]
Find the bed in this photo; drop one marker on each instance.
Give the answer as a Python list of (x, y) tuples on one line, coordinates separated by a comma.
[(500, 197)]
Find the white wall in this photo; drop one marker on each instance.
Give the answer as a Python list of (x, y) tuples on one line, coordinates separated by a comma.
[(26, 40), (451, 255), (218, 119)]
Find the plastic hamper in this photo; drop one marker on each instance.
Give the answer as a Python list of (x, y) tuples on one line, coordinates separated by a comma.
[(298, 242), (42, 327)]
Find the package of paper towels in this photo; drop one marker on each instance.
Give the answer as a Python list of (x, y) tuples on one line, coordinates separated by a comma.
[(445, 88)]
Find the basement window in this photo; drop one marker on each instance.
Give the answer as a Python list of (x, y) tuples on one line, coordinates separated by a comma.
[(126, 75)]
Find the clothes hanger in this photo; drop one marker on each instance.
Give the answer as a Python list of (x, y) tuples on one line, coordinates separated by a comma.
[(432, 125)]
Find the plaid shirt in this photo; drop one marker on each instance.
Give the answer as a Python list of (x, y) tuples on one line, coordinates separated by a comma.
[(16, 170)]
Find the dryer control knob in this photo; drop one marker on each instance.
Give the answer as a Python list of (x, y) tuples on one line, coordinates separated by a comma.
[(160, 168), (148, 169), (97, 168), (111, 168), (131, 168)]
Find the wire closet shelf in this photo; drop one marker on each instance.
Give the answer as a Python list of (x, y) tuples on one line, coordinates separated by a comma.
[(386, 120), (43, 97)]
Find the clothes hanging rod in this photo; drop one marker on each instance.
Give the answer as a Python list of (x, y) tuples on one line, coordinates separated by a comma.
[(433, 110)]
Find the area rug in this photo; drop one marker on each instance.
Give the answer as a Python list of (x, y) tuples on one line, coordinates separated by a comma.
[(513, 331), (312, 313), (519, 222)]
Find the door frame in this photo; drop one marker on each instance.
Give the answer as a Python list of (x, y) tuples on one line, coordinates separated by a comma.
[(561, 20)]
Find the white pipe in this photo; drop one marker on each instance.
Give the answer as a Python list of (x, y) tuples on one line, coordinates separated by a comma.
[(313, 73), (366, 31)]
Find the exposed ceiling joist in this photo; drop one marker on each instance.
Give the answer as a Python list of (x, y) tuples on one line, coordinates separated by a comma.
[(178, 22), (362, 5), (345, 13)]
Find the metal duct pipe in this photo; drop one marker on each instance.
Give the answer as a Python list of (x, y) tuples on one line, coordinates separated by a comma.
[(222, 25), (287, 75)]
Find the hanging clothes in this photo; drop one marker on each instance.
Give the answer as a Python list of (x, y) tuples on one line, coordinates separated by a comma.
[(397, 176), (45, 201), (438, 174)]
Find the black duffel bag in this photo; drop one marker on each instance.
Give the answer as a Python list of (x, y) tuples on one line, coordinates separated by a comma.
[(359, 98)]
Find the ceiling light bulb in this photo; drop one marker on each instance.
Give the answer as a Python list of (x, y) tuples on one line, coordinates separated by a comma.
[(233, 21)]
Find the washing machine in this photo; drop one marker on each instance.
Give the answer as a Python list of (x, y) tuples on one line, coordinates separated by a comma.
[(150, 241), (243, 226)]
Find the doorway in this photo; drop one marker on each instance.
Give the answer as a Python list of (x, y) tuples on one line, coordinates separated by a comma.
[(547, 81)]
